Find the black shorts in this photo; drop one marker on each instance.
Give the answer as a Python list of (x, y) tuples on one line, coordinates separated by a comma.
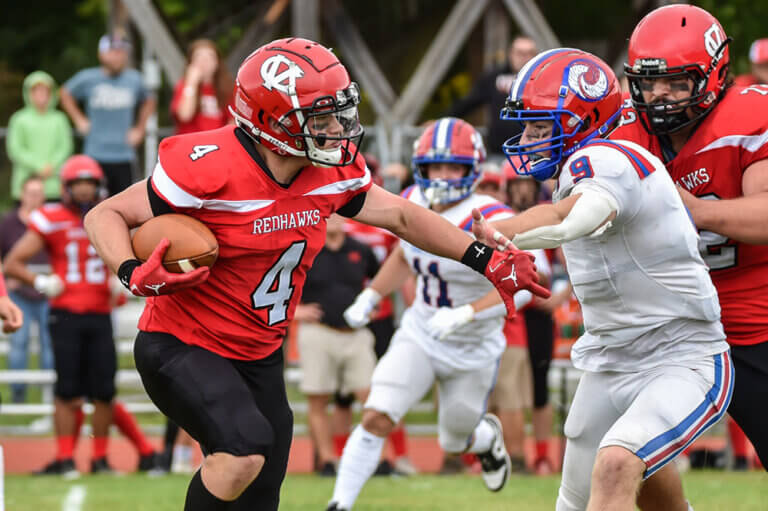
[(84, 355), (541, 338), (233, 406), (750, 395)]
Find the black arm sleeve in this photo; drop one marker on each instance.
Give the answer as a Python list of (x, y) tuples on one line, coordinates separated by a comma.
[(353, 207), (159, 206)]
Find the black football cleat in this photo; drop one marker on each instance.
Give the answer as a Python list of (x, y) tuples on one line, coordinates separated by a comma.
[(65, 468), (100, 466)]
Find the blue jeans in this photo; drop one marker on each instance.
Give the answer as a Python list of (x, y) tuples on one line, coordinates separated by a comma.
[(37, 311)]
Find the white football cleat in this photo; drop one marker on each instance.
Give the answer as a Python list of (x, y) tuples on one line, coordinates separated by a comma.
[(495, 462)]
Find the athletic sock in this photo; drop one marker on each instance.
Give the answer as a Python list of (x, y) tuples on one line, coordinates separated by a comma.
[(339, 441), (127, 425), (358, 463), (399, 445), (65, 447), (482, 437), (200, 499), (100, 446)]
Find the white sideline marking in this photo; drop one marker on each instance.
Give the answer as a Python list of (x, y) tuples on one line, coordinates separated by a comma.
[(74, 499)]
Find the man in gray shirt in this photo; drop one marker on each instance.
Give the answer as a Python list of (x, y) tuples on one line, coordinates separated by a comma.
[(111, 95)]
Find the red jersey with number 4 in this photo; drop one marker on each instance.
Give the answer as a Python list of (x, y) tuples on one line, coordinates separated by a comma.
[(268, 236), (731, 138), (73, 259)]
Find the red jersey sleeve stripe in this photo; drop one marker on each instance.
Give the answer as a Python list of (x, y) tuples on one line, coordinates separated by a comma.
[(174, 195), (39, 223), (347, 185), (749, 143)]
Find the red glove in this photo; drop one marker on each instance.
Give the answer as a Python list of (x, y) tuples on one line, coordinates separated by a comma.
[(509, 271), (152, 279)]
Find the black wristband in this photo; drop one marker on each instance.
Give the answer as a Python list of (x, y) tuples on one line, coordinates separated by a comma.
[(125, 271), (477, 256)]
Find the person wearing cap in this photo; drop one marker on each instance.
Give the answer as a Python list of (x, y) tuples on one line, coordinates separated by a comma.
[(110, 95), (758, 57), (39, 137)]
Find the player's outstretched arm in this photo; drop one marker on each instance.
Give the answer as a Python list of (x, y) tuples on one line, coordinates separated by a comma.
[(550, 225), (742, 219), (432, 233)]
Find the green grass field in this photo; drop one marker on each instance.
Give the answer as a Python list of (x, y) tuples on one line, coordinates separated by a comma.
[(708, 491)]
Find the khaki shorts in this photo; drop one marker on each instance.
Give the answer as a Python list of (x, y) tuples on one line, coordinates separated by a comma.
[(514, 385), (335, 360)]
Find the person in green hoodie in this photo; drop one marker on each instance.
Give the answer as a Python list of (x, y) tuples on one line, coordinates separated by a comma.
[(39, 136)]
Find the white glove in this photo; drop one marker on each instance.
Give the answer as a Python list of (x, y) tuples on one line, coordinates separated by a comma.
[(49, 285), (446, 320), (358, 314)]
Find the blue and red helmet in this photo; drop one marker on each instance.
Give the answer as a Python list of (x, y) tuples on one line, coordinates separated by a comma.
[(575, 90), (448, 140)]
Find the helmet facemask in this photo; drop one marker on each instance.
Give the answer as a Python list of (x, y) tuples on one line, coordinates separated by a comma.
[(670, 116), (444, 191)]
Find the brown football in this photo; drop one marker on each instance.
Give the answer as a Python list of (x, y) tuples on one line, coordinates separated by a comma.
[(192, 243)]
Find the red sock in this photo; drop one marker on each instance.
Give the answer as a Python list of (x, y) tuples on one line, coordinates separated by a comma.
[(65, 447), (468, 458), (127, 425), (399, 444), (542, 449), (100, 446), (738, 439), (79, 418), (339, 441)]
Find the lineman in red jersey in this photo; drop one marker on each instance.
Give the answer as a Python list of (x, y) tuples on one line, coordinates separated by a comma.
[(714, 143), (79, 319), (10, 314), (208, 350)]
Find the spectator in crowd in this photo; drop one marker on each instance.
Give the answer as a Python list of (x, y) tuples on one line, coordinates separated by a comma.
[(524, 192), (758, 57), (492, 89), (333, 356), (112, 95), (39, 137), (32, 303), (201, 97)]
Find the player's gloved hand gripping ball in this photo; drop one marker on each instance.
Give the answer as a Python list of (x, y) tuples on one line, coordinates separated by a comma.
[(173, 252)]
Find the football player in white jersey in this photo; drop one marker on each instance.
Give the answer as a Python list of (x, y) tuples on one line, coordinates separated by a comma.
[(657, 369), (451, 334)]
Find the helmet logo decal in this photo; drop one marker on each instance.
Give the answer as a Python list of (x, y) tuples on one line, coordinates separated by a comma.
[(713, 38), (587, 80), (276, 76)]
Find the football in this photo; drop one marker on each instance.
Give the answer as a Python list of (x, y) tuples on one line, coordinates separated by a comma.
[(192, 243)]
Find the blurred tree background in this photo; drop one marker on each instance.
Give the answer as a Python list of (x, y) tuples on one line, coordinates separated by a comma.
[(60, 37)]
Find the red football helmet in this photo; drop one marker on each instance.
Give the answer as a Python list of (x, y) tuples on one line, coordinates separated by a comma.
[(575, 90), (448, 140), (294, 97), (677, 41), (81, 167)]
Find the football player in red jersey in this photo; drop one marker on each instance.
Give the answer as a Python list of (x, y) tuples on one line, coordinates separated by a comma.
[(10, 314), (79, 320), (714, 144), (208, 349)]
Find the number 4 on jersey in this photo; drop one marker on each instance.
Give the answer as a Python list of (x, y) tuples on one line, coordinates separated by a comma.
[(201, 150), (275, 290)]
